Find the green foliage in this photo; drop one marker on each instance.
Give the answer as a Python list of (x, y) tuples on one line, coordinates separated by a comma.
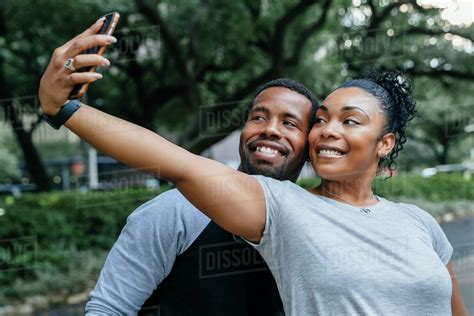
[(75, 271), (57, 229), (442, 187), (173, 57), (441, 123), (438, 195)]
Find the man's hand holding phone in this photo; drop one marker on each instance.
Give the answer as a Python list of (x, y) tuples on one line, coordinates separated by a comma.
[(71, 67)]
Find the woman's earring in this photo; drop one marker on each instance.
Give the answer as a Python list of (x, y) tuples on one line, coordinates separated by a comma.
[(383, 156)]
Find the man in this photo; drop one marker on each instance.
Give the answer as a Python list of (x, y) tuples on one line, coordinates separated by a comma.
[(197, 267)]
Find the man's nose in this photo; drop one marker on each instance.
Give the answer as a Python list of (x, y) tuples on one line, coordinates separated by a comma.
[(272, 129)]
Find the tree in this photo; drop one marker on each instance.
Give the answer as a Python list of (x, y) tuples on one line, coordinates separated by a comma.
[(25, 41), (443, 119), (33, 161), (189, 67)]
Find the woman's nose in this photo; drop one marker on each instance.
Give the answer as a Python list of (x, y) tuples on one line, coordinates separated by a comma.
[(331, 129)]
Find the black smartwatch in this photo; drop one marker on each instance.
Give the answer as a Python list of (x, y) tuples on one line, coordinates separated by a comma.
[(66, 111)]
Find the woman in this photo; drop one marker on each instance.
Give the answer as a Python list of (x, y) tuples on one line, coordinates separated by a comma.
[(336, 249)]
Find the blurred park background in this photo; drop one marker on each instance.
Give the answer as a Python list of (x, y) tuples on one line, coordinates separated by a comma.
[(187, 68)]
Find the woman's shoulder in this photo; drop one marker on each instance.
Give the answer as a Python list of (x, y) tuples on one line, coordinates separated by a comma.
[(413, 211)]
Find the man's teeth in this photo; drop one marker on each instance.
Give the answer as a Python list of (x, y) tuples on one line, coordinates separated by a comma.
[(329, 152), (267, 150)]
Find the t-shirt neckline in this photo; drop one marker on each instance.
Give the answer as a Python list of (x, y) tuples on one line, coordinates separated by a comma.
[(373, 207)]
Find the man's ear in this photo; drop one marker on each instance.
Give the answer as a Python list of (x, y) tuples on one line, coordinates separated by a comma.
[(386, 144)]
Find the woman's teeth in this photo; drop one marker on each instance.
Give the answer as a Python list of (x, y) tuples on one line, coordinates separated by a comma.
[(329, 152), (267, 150)]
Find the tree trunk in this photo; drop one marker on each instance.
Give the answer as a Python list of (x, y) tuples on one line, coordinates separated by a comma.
[(31, 157), (443, 157)]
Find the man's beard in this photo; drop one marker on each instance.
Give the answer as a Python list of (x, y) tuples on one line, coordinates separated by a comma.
[(265, 169)]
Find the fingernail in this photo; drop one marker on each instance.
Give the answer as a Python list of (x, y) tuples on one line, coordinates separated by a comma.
[(101, 19), (111, 39), (105, 62), (97, 75)]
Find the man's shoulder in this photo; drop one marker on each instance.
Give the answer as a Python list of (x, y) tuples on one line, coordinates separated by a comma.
[(170, 205), (275, 184)]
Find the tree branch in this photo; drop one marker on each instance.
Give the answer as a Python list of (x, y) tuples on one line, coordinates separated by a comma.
[(213, 68), (279, 35), (154, 17), (306, 33), (378, 18), (436, 73), (436, 32), (253, 7)]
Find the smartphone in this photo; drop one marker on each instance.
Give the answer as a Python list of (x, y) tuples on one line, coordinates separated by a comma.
[(108, 28)]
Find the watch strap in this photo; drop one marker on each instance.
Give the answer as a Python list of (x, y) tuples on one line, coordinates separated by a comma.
[(66, 111)]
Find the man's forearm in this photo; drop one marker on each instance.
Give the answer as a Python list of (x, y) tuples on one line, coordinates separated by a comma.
[(206, 183)]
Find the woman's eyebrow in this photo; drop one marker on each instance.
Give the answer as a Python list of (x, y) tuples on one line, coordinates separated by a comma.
[(346, 108), (355, 108), (324, 108)]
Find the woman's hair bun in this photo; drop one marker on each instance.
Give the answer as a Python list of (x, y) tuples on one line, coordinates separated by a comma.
[(394, 89), (395, 82)]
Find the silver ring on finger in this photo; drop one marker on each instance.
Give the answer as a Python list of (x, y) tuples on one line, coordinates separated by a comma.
[(69, 64)]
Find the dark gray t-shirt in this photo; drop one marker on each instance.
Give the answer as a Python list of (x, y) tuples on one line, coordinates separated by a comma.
[(329, 258)]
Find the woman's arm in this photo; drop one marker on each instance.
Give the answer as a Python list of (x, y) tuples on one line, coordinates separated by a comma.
[(457, 304), (234, 200)]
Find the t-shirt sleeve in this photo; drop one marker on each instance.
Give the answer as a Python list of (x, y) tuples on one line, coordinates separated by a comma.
[(440, 242), (144, 253), (274, 191)]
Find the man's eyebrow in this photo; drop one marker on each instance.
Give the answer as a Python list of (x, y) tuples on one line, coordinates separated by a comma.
[(284, 114), (259, 109), (293, 116)]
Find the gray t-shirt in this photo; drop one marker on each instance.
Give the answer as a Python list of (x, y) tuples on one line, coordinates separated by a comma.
[(329, 258), (144, 253)]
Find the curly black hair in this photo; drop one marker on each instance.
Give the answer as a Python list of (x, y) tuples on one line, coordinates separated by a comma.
[(394, 90), (295, 86)]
